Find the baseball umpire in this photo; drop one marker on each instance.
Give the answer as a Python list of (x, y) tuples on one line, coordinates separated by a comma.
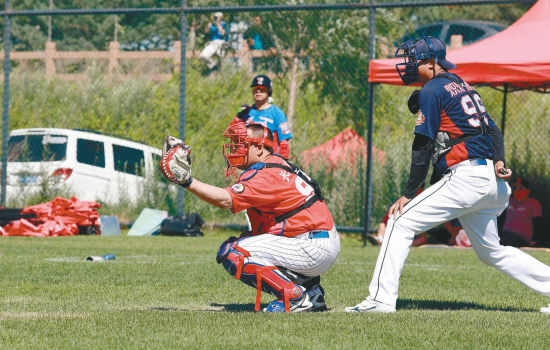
[(293, 238), (265, 113), (466, 148)]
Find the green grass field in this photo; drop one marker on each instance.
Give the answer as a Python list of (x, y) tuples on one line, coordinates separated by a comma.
[(168, 292)]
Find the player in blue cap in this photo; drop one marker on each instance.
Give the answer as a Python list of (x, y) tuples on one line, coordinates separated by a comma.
[(264, 112), (455, 132)]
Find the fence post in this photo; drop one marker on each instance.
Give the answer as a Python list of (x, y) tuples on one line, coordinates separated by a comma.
[(245, 54), (368, 186), (114, 48), (50, 63), (183, 64), (505, 95), (6, 111)]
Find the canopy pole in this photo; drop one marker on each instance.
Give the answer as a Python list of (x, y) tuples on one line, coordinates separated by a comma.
[(368, 185), (504, 108)]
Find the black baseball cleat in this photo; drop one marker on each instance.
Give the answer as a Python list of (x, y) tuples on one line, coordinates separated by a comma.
[(312, 300)]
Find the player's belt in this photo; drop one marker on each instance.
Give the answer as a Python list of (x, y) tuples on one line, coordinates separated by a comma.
[(478, 161), (318, 234), (471, 162)]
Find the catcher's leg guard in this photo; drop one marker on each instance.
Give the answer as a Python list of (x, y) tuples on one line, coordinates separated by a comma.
[(258, 273)]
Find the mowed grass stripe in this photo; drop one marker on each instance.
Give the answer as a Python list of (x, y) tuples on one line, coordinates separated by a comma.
[(169, 292)]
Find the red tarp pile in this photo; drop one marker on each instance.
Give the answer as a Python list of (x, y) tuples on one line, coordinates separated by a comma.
[(60, 217), (342, 149)]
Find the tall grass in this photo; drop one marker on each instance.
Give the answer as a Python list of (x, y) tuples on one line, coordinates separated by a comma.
[(147, 111)]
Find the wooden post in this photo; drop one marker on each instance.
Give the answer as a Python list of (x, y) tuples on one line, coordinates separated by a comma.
[(245, 54), (114, 47), (50, 63), (456, 42), (177, 56)]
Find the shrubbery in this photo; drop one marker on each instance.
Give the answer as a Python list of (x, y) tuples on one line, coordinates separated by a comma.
[(147, 111)]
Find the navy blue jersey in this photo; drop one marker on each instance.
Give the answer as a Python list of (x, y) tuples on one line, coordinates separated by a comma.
[(445, 106)]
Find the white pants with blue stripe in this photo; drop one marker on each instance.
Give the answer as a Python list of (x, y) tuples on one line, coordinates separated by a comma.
[(474, 195), (302, 254)]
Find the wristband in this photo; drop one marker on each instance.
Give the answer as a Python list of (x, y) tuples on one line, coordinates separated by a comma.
[(188, 183)]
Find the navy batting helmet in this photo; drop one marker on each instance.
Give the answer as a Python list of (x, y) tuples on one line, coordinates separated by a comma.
[(263, 80), (421, 49)]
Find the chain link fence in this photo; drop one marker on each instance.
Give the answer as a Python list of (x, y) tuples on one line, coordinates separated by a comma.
[(92, 97)]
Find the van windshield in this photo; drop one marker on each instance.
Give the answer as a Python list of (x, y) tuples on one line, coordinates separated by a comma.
[(37, 148)]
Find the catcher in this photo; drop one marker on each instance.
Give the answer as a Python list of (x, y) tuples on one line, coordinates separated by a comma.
[(293, 238)]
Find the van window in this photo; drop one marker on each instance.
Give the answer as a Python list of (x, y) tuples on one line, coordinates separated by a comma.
[(128, 160), (37, 148), (469, 34), (90, 152)]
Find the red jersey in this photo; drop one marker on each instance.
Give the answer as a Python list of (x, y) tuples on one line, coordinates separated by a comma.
[(271, 192)]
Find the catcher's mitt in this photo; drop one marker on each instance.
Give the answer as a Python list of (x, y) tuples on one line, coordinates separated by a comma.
[(175, 163)]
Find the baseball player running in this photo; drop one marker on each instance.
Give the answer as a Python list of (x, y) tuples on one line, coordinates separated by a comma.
[(265, 113), (293, 238), (454, 130)]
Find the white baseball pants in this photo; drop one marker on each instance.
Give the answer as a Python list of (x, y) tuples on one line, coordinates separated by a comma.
[(474, 195), (302, 254)]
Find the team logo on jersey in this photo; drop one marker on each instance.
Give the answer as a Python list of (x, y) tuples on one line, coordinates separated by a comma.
[(284, 128), (285, 175), (237, 188), (419, 118)]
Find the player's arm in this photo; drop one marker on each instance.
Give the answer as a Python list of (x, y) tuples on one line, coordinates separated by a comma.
[(422, 151), (427, 125), (211, 194)]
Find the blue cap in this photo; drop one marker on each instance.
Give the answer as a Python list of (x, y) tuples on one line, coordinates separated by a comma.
[(430, 47)]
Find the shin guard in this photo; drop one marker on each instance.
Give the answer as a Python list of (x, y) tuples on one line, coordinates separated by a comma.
[(260, 274)]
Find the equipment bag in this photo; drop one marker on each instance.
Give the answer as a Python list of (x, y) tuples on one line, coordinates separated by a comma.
[(186, 225)]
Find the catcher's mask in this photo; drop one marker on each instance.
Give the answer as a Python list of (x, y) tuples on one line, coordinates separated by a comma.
[(424, 48), (236, 152)]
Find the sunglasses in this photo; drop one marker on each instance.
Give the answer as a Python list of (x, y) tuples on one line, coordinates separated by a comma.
[(520, 188)]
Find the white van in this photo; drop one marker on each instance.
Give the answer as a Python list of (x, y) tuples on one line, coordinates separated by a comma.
[(85, 164)]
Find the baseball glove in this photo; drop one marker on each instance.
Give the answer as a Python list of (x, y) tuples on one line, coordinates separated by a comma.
[(175, 163), (413, 103)]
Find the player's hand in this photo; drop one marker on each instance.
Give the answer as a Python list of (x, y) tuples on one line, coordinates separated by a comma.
[(175, 163), (397, 207), (245, 234), (501, 171), (243, 111)]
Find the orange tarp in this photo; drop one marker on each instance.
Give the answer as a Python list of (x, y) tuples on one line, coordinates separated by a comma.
[(60, 217)]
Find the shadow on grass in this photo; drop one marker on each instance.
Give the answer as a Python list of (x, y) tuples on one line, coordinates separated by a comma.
[(237, 307), (215, 308), (408, 304)]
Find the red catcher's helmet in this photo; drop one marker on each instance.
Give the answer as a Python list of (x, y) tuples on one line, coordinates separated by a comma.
[(236, 152)]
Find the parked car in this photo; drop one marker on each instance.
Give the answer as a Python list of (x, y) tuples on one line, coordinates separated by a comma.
[(88, 165), (471, 31)]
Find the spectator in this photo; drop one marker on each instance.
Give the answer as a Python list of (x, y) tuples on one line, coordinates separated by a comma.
[(455, 234), (379, 237), (523, 225), (217, 28), (258, 38)]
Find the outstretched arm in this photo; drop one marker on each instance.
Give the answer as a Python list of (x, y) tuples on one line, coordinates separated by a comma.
[(211, 194)]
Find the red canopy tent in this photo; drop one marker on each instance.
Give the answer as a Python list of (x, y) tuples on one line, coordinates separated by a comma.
[(518, 57)]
